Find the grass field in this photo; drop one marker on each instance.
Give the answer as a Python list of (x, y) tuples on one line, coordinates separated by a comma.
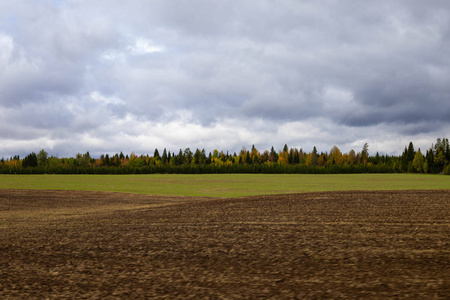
[(73, 236), (225, 185)]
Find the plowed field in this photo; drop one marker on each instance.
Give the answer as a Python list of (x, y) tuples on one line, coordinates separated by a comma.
[(383, 244)]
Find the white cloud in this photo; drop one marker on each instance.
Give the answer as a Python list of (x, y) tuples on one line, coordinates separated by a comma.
[(6, 46), (144, 46), (96, 96)]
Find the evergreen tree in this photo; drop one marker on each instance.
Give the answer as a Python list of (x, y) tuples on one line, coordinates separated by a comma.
[(430, 161), (447, 149), (273, 156), (180, 158), (106, 160), (30, 160), (203, 157), (156, 154), (365, 153), (410, 153), (164, 156), (248, 158), (296, 158), (196, 157)]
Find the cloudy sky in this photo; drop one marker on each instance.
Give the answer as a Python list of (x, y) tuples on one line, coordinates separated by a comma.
[(108, 76)]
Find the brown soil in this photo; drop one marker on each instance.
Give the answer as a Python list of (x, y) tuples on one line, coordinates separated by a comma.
[(65, 244)]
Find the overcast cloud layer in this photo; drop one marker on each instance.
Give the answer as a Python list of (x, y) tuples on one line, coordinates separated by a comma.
[(109, 76)]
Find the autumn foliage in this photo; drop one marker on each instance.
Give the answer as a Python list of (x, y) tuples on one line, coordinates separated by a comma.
[(287, 160)]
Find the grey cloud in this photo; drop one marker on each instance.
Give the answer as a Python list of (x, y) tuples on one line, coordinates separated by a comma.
[(41, 116), (53, 50), (354, 64)]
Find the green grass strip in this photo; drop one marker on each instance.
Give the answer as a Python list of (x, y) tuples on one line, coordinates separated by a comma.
[(225, 185)]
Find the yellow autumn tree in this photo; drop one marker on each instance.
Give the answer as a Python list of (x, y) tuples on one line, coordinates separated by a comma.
[(283, 158), (321, 160), (335, 155), (312, 158)]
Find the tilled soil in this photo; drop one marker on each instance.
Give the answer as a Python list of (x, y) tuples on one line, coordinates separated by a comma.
[(384, 244)]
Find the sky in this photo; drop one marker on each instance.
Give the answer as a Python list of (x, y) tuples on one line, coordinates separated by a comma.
[(109, 76)]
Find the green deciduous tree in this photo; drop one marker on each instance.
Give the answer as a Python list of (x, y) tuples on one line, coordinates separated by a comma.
[(83, 160), (188, 155), (418, 161), (42, 157)]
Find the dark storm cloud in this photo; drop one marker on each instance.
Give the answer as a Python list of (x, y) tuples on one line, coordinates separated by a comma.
[(84, 67)]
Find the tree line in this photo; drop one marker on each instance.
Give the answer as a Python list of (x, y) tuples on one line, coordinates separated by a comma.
[(287, 160)]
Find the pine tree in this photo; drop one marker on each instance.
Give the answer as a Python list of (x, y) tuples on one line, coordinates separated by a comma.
[(156, 154), (365, 153), (106, 160), (180, 158), (273, 156), (164, 156), (411, 153), (30, 160), (430, 161)]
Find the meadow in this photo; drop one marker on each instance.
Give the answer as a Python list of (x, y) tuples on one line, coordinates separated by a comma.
[(225, 185), (233, 236)]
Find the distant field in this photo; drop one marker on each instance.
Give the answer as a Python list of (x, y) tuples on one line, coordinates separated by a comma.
[(225, 185)]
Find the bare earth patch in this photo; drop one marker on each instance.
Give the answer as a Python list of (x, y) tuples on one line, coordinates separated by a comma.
[(383, 244)]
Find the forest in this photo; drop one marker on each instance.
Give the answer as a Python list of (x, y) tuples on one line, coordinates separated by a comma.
[(287, 160)]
